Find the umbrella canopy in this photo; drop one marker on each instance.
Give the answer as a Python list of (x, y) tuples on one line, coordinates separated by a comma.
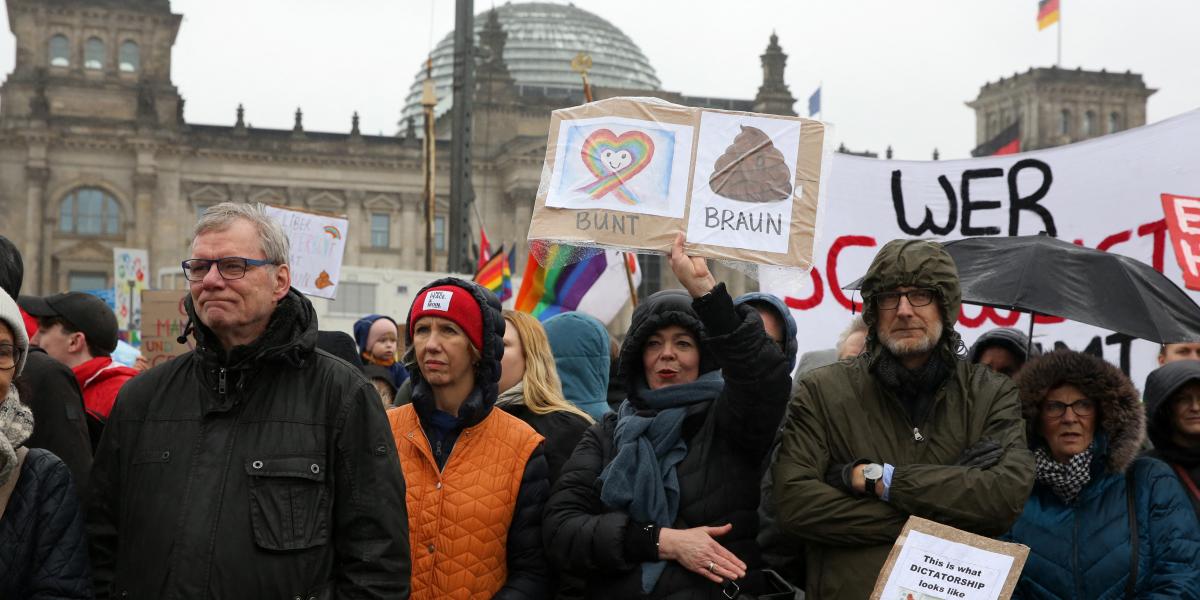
[(1045, 275)]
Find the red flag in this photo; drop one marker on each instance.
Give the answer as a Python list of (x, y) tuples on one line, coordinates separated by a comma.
[(485, 249)]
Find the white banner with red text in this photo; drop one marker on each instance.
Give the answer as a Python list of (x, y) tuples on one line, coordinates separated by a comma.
[(1105, 193)]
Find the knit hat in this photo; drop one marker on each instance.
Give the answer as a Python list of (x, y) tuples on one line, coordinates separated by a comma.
[(362, 330), (453, 303), (11, 315)]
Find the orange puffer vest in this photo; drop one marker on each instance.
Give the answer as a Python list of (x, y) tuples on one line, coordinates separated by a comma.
[(458, 517)]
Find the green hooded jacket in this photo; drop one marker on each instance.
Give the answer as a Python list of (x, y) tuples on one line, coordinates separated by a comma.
[(841, 413)]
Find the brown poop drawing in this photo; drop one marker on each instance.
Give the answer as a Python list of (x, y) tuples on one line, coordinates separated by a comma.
[(752, 169), (323, 281)]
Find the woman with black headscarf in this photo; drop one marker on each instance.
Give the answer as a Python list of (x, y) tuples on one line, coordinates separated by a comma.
[(660, 499)]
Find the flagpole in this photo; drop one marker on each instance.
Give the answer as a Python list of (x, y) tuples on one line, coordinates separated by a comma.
[(581, 64)]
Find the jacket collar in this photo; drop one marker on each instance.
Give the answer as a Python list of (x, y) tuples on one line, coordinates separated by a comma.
[(290, 337)]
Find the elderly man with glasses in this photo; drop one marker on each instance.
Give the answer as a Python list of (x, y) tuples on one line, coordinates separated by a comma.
[(906, 428), (255, 466)]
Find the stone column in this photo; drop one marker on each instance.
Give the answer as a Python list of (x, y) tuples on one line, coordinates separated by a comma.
[(37, 226), (411, 234)]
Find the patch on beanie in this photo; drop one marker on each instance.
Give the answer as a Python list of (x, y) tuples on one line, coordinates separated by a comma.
[(438, 300)]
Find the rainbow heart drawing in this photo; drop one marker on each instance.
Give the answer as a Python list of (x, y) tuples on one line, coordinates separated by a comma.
[(614, 160)]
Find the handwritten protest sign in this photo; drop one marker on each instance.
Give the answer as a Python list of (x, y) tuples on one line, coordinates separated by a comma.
[(931, 561), (1183, 221), (318, 242), (631, 173), (1103, 193), (163, 321), (129, 279)]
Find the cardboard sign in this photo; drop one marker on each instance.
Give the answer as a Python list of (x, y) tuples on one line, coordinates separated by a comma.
[(1183, 222), (318, 242), (129, 280), (163, 321), (1103, 193), (628, 173), (931, 561)]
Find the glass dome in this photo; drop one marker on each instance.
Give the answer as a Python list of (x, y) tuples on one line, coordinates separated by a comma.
[(542, 40)]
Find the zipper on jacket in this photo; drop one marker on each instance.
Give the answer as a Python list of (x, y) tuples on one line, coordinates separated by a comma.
[(917, 435), (221, 381)]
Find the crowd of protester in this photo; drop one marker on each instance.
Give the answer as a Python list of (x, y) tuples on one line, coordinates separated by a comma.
[(466, 451)]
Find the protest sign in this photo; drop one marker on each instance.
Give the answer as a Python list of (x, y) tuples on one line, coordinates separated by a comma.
[(1103, 193), (628, 173), (129, 279), (931, 561), (318, 241), (163, 321)]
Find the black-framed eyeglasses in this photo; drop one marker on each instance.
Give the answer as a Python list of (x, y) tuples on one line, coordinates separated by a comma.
[(917, 297), (230, 267), (10, 355), (1082, 408)]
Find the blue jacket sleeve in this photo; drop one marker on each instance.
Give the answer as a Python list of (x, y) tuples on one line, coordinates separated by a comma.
[(1169, 568)]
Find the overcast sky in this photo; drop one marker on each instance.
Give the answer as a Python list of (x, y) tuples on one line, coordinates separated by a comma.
[(894, 71)]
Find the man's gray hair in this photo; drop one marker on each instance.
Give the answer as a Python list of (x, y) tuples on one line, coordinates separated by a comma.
[(856, 325), (272, 239)]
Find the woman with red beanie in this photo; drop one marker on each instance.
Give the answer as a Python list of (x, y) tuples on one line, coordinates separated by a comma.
[(476, 477)]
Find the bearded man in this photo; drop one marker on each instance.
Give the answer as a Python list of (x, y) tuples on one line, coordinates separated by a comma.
[(907, 428)]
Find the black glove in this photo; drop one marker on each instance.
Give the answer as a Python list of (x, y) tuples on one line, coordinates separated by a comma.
[(840, 476), (983, 455)]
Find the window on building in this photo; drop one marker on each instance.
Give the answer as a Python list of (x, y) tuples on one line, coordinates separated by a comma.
[(60, 51), (1114, 122), (354, 298), (380, 230), (89, 211), (1064, 122), (93, 53), (130, 57), (1089, 123), (82, 281), (439, 234)]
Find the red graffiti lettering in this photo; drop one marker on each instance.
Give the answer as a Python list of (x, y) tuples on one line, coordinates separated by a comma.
[(1113, 240), (835, 288), (1159, 230), (988, 313), (813, 299)]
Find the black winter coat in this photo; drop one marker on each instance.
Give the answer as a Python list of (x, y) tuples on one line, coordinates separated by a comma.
[(59, 424), (562, 431), (270, 472), (43, 551), (727, 444)]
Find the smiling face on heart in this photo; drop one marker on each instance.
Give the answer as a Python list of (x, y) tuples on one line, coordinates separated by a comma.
[(615, 160)]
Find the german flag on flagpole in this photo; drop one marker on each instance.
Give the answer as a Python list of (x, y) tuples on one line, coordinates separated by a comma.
[(496, 275), (1047, 13)]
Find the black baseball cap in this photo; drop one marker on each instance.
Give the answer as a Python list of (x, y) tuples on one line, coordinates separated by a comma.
[(84, 312)]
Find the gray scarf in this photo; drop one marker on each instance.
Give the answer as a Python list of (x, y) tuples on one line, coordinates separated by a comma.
[(641, 479), (16, 425), (513, 395), (1066, 480)]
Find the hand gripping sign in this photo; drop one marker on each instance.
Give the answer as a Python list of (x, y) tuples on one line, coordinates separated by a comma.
[(630, 173)]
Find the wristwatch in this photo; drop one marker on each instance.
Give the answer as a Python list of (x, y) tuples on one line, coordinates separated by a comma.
[(873, 472)]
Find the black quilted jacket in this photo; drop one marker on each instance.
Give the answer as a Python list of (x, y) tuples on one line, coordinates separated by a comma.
[(727, 443), (43, 550)]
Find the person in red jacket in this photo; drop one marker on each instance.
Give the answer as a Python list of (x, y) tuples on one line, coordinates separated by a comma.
[(80, 331)]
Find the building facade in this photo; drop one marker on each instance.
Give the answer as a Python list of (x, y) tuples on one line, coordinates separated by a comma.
[(1053, 106), (95, 152)]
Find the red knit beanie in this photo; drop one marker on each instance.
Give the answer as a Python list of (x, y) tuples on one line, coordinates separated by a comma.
[(453, 303)]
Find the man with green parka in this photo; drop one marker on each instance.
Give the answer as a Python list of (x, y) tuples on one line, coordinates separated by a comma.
[(907, 428)]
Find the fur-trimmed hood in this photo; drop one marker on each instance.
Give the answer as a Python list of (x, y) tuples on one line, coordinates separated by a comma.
[(1121, 426), (487, 373)]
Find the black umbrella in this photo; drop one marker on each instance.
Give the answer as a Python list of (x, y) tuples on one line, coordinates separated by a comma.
[(1040, 274)]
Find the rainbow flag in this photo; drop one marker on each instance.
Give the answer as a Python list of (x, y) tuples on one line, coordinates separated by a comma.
[(496, 275), (595, 284), (1048, 13)]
